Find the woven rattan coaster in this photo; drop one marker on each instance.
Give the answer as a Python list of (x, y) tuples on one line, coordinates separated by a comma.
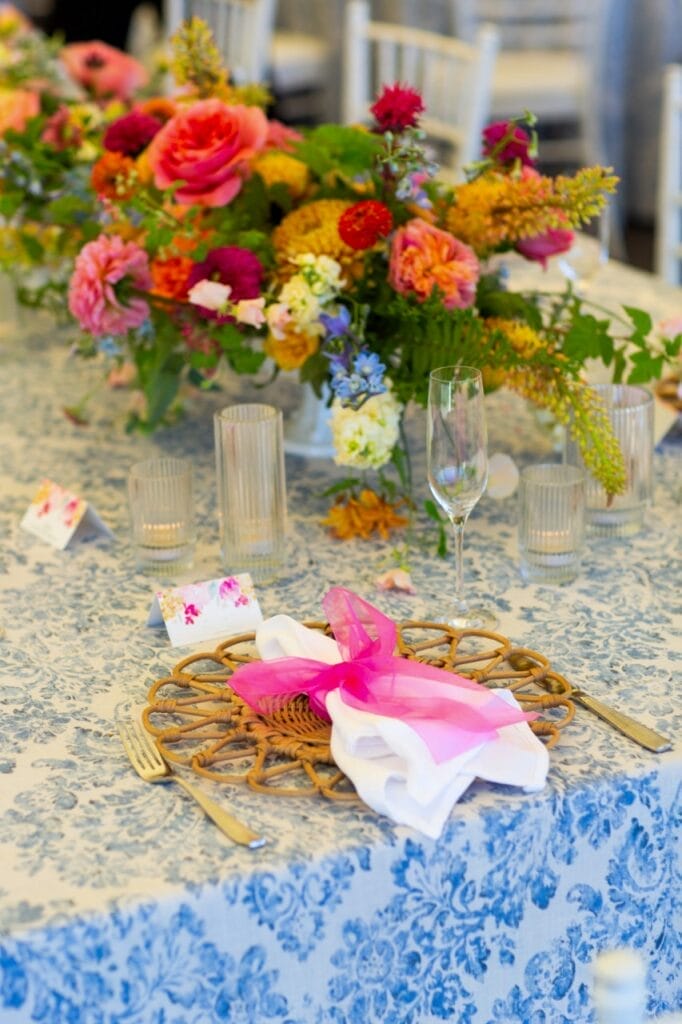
[(199, 721)]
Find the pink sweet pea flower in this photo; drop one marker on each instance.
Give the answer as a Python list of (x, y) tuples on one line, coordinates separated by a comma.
[(425, 258), (210, 147), (232, 266), (104, 71), (250, 312), (541, 247), (103, 268), (212, 295)]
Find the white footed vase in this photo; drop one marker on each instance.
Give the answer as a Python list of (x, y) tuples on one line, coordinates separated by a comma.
[(306, 428)]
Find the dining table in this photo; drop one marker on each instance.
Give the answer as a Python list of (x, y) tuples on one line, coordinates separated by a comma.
[(122, 903)]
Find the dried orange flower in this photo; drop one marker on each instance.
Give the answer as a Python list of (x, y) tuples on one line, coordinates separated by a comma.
[(364, 516)]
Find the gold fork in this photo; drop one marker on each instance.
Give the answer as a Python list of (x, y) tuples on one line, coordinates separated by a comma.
[(150, 766)]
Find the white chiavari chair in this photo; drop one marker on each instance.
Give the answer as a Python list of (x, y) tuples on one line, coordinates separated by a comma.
[(291, 63), (668, 251), (549, 63), (452, 76)]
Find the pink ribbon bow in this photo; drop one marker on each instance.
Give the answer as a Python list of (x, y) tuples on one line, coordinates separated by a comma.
[(452, 714)]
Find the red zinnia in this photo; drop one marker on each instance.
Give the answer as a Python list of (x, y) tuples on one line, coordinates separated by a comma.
[(397, 108), (363, 224), (131, 133)]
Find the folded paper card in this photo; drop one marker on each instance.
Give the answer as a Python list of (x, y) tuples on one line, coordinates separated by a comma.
[(213, 609), (57, 516), (411, 737)]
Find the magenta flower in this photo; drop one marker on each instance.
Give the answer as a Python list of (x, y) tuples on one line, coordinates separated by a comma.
[(131, 133), (102, 289), (398, 107), (505, 142), (541, 247), (231, 265)]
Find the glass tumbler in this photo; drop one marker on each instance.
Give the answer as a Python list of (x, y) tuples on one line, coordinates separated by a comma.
[(252, 507), (161, 499), (631, 412), (551, 522)]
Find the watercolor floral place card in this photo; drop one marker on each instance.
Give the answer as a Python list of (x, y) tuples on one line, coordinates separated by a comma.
[(214, 609), (57, 516)]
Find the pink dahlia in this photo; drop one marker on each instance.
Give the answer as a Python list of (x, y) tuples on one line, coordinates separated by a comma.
[(210, 147), (505, 142), (102, 289), (425, 259), (398, 107), (106, 73), (131, 133), (230, 265)]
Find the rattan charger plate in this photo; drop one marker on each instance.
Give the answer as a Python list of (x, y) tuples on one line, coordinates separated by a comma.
[(198, 720)]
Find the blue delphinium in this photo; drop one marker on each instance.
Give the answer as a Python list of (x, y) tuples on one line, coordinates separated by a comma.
[(356, 373)]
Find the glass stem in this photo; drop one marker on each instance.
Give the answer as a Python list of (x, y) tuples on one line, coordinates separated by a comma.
[(458, 528)]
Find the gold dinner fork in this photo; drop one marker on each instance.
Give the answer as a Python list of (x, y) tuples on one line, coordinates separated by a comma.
[(150, 766)]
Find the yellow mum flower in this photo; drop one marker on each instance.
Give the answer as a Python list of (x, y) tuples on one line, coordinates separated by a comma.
[(277, 168), (292, 350), (313, 228)]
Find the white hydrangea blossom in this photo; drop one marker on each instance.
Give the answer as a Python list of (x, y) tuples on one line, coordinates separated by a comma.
[(364, 438)]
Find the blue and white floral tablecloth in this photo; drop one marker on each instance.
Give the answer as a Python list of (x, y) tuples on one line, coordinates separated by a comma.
[(120, 902)]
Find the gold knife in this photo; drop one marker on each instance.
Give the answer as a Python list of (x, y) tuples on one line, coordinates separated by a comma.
[(627, 726)]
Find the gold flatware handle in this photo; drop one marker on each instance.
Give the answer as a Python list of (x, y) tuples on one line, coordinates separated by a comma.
[(628, 726), (230, 826)]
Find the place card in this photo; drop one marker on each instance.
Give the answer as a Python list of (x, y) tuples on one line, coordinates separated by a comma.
[(213, 609), (57, 516)]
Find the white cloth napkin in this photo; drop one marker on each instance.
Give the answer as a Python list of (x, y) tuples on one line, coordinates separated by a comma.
[(388, 762)]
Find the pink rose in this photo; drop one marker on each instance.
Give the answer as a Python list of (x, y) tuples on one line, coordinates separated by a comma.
[(106, 73), (17, 106), (424, 258), (541, 247), (101, 292), (209, 146)]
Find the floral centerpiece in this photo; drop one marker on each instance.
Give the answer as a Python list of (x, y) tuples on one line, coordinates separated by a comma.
[(340, 254)]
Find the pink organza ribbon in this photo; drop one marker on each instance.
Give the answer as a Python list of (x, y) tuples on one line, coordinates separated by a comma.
[(452, 714)]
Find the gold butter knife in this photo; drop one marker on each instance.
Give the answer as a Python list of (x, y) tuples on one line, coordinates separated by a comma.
[(629, 727)]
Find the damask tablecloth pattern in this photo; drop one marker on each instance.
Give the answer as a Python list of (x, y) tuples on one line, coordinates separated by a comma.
[(120, 902)]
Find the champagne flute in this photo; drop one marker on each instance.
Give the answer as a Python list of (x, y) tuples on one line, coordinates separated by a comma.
[(458, 466)]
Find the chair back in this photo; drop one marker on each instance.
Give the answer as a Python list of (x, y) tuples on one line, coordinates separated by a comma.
[(242, 30), (452, 76), (668, 253), (530, 24)]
